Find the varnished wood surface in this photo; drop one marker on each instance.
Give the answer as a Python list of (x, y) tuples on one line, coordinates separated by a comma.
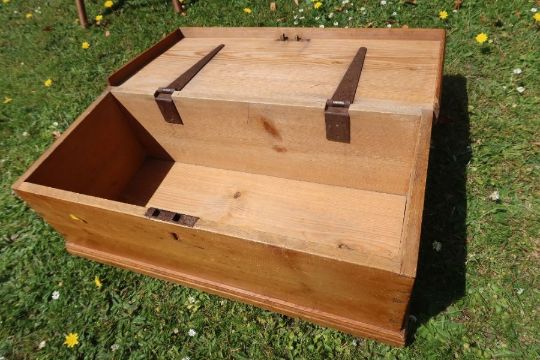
[(412, 226), (352, 225), (286, 141), (357, 328), (258, 105), (98, 158), (329, 291), (298, 73), (288, 220)]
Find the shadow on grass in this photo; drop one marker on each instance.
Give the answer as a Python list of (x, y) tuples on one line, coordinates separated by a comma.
[(441, 275)]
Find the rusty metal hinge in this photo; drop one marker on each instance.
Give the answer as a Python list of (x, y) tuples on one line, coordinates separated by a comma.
[(336, 112), (163, 95), (169, 216)]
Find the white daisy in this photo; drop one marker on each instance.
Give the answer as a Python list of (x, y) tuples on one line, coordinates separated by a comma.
[(494, 196), (192, 332), (55, 295)]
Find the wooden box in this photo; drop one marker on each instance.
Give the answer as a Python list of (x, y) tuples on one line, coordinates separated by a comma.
[(253, 176)]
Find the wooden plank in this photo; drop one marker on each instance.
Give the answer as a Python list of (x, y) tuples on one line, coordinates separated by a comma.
[(294, 73), (351, 225), (65, 135), (314, 285), (311, 33), (98, 158), (286, 141), (356, 328), (412, 226)]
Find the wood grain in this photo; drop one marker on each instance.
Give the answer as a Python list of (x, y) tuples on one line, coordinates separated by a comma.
[(318, 287), (352, 225), (288, 221), (294, 72), (315, 33), (287, 142), (258, 106), (412, 226), (98, 158), (356, 328)]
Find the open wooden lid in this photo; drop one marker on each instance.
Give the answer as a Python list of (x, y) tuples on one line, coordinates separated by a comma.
[(402, 66)]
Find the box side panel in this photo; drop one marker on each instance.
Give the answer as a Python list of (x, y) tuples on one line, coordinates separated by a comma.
[(354, 298), (285, 141), (98, 158), (313, 33), (104, 149), (412, 225)]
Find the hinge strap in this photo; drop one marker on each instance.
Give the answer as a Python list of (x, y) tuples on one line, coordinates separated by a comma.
[(163, 95), (336, 112)]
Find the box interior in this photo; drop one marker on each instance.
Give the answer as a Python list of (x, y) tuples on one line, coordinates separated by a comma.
[(109, 155)]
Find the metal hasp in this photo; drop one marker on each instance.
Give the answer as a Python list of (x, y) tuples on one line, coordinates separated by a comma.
[(163, 95), (336, 112), (169, 216)]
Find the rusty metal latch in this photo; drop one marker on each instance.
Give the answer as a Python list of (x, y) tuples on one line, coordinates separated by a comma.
[(169, 216), (336, 112), (163, 95)]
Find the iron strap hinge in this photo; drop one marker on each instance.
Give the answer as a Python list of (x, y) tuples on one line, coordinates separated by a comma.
[(336, 111), (163, 95)]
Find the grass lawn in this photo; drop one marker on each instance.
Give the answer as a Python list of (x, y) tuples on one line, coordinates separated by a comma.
[(478, 290)]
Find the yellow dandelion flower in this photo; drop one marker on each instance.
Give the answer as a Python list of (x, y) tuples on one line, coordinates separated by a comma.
[(247, 10), (443, 15), (98, 282), (5, 1), (99, 18), (536, 17), (7, 99), (317, 5), (108, 4), (48, 82), (29, 15), (72, 339), (85, 45), (481, 38), (73, 217)]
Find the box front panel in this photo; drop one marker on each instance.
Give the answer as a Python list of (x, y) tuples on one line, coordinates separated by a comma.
[(336, 291)]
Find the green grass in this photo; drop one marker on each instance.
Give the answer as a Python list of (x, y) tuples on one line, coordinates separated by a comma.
[(475, 298)]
